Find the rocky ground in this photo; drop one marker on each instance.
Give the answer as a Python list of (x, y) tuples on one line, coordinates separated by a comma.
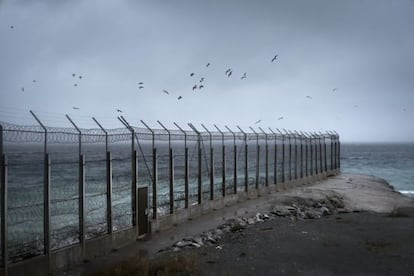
[(304, 237)]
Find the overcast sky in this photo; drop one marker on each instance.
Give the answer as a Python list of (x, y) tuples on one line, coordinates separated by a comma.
[(342, 65)]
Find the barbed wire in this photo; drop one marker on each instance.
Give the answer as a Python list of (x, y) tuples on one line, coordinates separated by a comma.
[(14, 133)]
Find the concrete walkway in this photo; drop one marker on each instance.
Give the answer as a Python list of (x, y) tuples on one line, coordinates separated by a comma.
[(358, 192)]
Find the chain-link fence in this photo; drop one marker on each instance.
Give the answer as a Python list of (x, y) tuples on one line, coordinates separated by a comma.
[(62, 186)]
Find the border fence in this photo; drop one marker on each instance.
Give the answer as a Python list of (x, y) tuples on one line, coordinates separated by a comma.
[(64, 186)]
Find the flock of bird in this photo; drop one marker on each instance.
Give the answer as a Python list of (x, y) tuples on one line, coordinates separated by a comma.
[(199, 85)]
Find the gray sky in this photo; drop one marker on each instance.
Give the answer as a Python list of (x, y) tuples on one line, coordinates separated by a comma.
[(364, 48)]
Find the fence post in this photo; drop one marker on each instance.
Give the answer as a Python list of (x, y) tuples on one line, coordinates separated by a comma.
[(275, 158), (333, 150), (323, 150), (257, 158), (296, 153), (246, 161), (1, 140), (305, 138), (223, 163), (154, 183), (211, 164), (109, 219), (339, 150), (301, 153), (290, 155), (266, 158), (283, 155), (235, 160), (134, 188), (311, 154), (46, 195), (186, 166), (170, 168), (108, 181), (4, 238), (200, 170), (81, 183)]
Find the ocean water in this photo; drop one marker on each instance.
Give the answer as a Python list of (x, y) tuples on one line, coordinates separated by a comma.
[(392, 161)]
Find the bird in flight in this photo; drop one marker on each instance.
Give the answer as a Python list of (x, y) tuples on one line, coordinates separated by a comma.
[(22, 89), (75, 108), (73, 75), (274, 58), (244, 76), (280, 118), (75, 84), (208, 64), (140, 83), (201, 80), (140, 87), (192, 74), (34, 80), (194, 87), (334, 89), (119, 110), (309, 97), (179, 97), (257, 122), (227, 72), (11, 27), (230, 73), (201, 86), (80, 77), (165, 91)]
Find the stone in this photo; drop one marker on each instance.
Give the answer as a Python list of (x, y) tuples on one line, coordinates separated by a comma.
[(198, 240)]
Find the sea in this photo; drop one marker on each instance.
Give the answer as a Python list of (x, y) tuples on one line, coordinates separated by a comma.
[(393, 162)]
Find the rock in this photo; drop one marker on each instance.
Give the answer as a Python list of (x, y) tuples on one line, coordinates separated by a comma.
[(324, 211), (198, 240), (182, 244)]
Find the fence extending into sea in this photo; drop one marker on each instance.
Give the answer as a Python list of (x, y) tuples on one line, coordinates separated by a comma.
[(66, 187)]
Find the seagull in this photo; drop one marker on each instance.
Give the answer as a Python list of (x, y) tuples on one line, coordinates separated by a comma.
[(208, 64), (356, 106), (280, 118), (192, 74), (119, 110), (179, 97), (140, 87), (75, 84), (258, 121), (244, 76), (229, 74), (309, 97), (34, 80), (201, 86), (22, 89), (227, 71), (274, 58), (73, 74), (11, 27), (194, 87), (75, 108), (165, 91), (334, 89), (201, 80), (140, 83), (80, 77)]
